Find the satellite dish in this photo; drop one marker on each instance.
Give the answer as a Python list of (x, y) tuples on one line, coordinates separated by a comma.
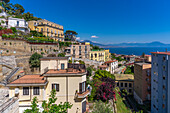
[(16, 90)]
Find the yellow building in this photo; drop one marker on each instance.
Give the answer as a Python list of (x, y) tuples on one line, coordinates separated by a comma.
[(48, 28), (97, 55), (107, 55), (69, 81), (125, 81)]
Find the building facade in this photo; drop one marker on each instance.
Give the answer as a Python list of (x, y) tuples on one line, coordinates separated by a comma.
[(160, 82), (107, 55), (125, 81), (142, 82), (112, 65), (69, 81), (97, 55), (48, 28), (78, 50), (19, 24)]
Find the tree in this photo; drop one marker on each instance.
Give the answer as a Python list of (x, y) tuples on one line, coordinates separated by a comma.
[(102, 73), (105, 91), (96, 47), (34, 108), (101, 107), (34, 60), (49, 107), (143, 55), (6, 1), (69, 34), (18, 9), (61, 55)]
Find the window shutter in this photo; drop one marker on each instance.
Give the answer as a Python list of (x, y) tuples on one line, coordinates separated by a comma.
[(52, 86), (85, 86), (57, 87), (80, 87)]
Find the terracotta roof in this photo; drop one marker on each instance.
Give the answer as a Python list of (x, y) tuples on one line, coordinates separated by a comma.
[(103, 66), (110, 61), (29, 79), (166, 53)]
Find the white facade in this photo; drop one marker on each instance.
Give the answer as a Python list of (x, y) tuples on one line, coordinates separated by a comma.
[(112, 65), (20, 24)]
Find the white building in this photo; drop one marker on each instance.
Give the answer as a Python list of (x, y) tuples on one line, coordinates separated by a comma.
[(109, 66), (19, 24), (112, 65)]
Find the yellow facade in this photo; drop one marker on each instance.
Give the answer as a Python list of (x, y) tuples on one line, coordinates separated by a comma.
[(69, 86), (97, 55), (48, 28), (107, 55)]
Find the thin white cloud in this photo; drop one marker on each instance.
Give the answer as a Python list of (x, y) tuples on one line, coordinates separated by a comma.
[(94, 41), (78, 38), (94, 36)]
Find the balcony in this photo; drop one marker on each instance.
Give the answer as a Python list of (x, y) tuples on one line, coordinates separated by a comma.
[(82, 95)]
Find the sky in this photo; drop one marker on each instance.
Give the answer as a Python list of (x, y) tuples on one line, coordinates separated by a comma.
[(107, 21)]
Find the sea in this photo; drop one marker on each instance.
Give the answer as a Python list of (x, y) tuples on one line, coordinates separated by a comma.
[(137, 50)]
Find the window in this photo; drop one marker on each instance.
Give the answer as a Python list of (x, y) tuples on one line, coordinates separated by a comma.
[(130, 84), (47, 29), (125, 84), (164, 97), (95, 55), (163, 105), (74, 52), (62, 66), (91, 55), (41, 29), (82, 87), (56, 87), (17, 23), (163, 86), (121, 84), (130, 90), (163, 77), (164, 58), (25, 90), (36, 90), (118, 84), (164, 68), (79, 52)]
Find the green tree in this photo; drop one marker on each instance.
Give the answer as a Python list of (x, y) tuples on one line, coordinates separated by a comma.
[(6, 1), (18, 9), (34, 60), (61, 55), (101, 107), (49, 107), (143, 55), (102, 73), (34, 108), (71, 35)]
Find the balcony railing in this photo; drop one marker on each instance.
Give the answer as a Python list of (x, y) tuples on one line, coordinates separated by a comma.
[(51, 26)]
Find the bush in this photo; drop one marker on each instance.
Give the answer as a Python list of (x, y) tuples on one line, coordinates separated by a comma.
[(4, 36), (61, 55), (14, 30)]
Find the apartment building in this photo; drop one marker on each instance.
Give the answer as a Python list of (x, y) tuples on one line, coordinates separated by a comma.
[(142, 82), (97, 55), (112, 65), (125, 81), (69, 81), (80, 50), (107, 55), (48, 28), (160, 82)]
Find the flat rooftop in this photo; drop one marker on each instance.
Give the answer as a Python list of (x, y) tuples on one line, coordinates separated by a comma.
[(142, 63), (166, 53), (124, 77), (65, 71)]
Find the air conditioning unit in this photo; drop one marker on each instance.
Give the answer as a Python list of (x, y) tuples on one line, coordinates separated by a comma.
[(16, 90)]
